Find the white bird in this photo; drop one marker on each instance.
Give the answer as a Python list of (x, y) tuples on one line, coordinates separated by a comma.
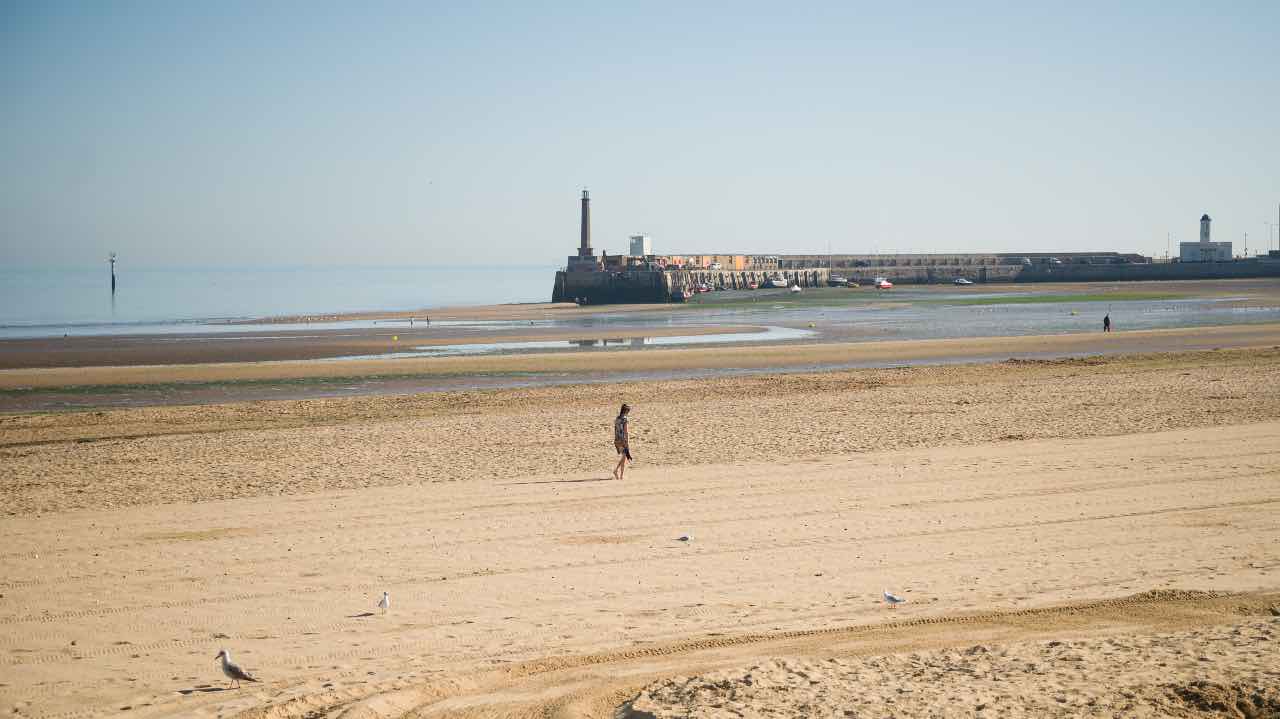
[(385, 603), (233, 671), (892, 600)]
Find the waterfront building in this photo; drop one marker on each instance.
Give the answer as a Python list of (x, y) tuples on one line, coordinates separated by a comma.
[(641, 246), (1204, 250)]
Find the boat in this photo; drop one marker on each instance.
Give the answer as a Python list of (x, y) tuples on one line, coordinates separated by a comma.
[(795, 289), (752, 285), (883, 283), (963, 281), (776, 283), (704, 287), (837, 281)]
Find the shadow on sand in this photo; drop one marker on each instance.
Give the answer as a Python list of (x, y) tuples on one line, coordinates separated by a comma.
[(202, 689)]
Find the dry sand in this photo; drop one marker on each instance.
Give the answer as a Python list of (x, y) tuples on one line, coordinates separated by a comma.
[(1129, 499), (1231, 670)]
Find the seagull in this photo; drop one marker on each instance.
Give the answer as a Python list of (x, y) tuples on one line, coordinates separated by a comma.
[(385, 603), (685, 538), (891, 599), (233, 671)]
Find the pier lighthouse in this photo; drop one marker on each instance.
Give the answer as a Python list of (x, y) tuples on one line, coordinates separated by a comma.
[(584, 249), (585, 260)]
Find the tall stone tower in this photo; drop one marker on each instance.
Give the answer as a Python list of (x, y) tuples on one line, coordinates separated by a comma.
[(585, 260), (1204, 228), (584, 249)]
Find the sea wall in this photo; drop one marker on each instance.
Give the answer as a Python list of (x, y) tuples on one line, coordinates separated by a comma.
[(1151, 271), (602, 288), (658, 286), (739, 279)]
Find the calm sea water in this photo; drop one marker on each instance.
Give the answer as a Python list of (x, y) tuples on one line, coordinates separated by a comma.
[(46, 299)]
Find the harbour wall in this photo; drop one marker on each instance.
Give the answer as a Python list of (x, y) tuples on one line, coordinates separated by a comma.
[(633, 286), (605, 288), (1153, 271)]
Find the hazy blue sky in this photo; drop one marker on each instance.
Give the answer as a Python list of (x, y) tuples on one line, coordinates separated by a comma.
[(297, 132)]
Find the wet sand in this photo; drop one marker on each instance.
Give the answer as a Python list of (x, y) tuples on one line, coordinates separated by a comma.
[(222, 348), (80, 388), (320, 339)]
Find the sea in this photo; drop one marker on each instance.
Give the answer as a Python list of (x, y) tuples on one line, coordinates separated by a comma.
[(53, 302)]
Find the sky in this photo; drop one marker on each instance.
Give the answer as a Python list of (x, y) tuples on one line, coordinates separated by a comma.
[(420, 133)]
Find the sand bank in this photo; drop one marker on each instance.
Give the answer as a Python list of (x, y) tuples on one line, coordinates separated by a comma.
[(1228, 670)]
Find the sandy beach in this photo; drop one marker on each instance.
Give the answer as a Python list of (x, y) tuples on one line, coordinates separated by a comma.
[(1121, 504)]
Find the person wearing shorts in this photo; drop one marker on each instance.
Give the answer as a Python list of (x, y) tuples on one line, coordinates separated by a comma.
[(621, 441)]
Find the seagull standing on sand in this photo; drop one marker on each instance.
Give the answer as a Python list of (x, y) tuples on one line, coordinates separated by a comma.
[(233, 671), (385, 603), (892, 600)]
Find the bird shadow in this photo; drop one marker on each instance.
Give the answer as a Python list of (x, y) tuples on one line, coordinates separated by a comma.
[(202, 689), (563, 481), (361, 615)]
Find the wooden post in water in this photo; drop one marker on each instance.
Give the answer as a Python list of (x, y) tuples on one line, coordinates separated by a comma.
[(112, 260)]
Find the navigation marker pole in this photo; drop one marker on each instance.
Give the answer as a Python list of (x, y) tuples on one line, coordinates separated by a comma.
[(112, 259)]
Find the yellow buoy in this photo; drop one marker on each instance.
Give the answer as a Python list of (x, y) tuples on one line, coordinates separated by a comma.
[(395, 338), (812, 324)]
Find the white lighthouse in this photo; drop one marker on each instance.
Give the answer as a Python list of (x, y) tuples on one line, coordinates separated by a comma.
[(1204, 250)]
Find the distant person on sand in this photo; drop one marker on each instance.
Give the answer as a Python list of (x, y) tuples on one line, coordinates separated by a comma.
[(621, 441), (1106, 323)]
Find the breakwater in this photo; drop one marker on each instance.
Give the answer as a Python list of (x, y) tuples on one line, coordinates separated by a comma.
[(631, 286)]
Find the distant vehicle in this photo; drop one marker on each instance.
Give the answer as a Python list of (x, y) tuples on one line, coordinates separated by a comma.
[(883, 284), (962, 281), (795, 289), (714, 266)]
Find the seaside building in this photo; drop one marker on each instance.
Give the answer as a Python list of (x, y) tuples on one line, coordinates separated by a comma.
[(641, 246), (1204, 250)]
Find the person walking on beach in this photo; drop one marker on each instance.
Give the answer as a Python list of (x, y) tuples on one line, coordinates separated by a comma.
[(621, 441), (1106, 322)]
